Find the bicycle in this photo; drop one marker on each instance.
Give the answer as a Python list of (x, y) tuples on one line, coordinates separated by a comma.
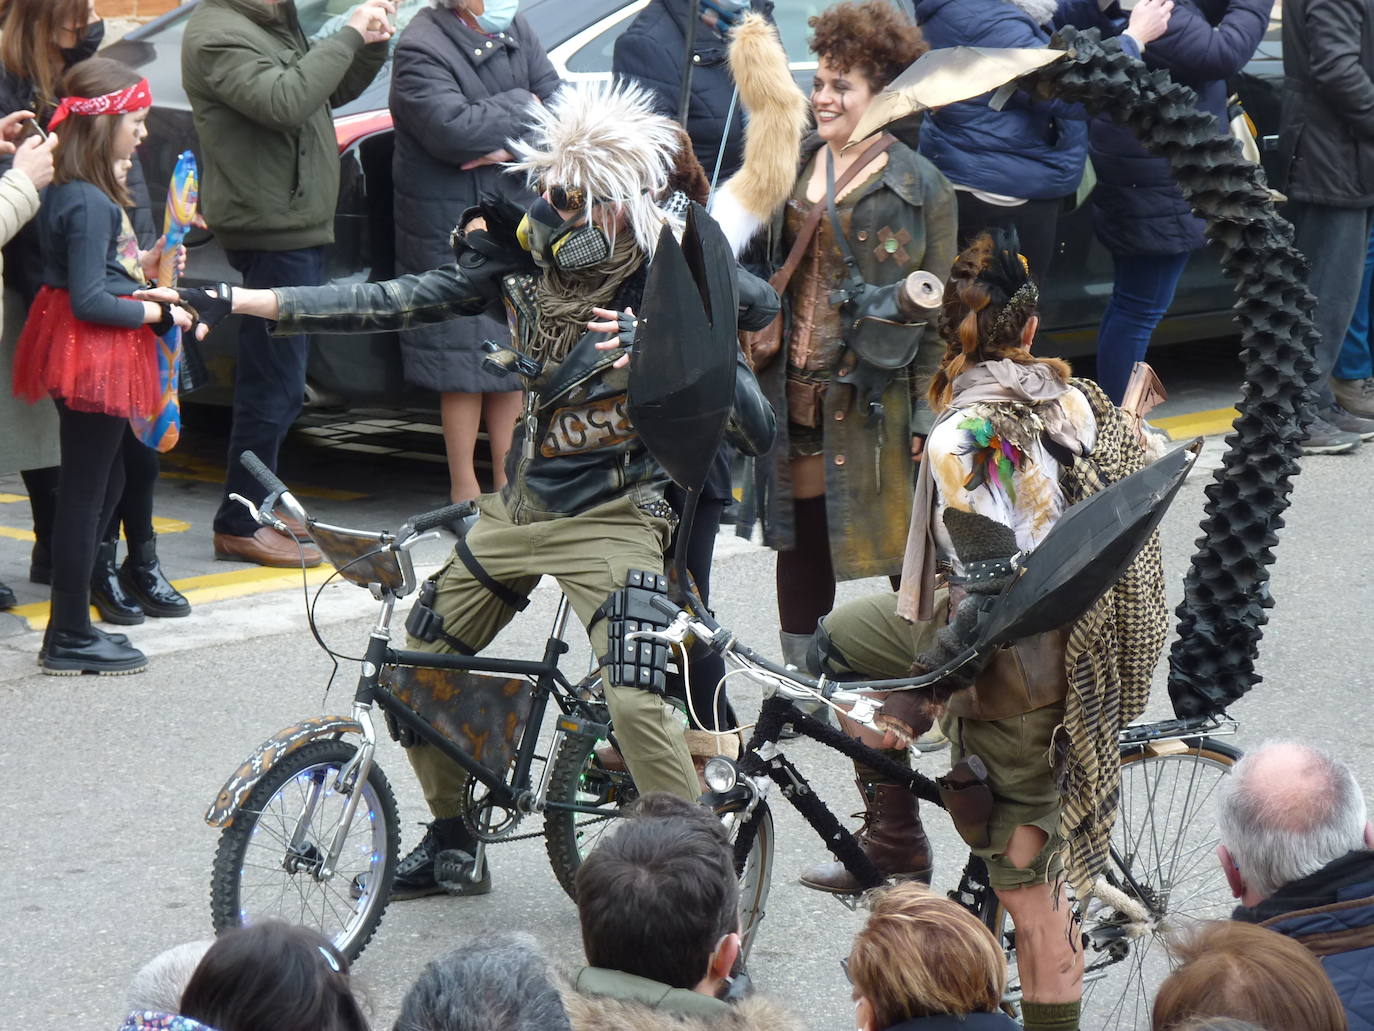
[(310, 831), (1160, 875)]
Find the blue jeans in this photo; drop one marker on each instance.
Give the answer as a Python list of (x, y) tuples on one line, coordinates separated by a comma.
[(1356, 360), (269, 384), (1141, 294)]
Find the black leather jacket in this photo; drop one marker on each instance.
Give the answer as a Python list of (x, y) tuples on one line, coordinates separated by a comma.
[(574, 447)]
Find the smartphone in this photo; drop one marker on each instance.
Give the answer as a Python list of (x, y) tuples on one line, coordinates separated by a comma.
[(34, 129)]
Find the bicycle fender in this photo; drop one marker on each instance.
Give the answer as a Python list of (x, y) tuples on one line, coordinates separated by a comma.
[(226, 804)]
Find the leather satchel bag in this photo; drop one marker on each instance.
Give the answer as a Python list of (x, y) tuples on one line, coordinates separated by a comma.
[(761, 346)]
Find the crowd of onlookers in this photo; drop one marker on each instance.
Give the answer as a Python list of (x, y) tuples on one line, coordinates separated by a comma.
[(658, 906)]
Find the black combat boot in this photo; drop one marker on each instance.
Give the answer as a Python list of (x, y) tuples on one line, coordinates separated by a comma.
[(442, 863), (71, 646), (112, 601), (141, 575)]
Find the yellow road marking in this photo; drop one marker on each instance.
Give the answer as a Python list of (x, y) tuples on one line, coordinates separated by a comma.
[(1197, 424), (184, 467), (9, 499), (200, 590), (161, 527)]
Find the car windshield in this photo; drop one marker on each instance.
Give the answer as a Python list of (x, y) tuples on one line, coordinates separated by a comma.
[(320, 18)]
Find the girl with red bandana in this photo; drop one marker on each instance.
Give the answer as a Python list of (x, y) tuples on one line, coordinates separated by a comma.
[(89, 345)]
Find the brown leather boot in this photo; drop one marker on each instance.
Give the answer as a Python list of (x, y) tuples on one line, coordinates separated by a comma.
[(891, 836)]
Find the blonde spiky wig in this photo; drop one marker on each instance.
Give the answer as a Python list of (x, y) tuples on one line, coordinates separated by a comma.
[(605, 140)]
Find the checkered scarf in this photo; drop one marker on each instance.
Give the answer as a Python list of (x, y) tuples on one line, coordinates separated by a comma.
[(1112, 653)]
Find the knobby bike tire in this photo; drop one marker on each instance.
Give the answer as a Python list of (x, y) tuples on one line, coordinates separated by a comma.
[(253, 856), (1105, 967), (578, 774)]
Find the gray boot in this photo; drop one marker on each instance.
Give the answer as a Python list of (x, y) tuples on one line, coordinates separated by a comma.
[(794, 647)]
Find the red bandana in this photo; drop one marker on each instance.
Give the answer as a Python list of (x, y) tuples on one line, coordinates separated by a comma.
[(133, 98)]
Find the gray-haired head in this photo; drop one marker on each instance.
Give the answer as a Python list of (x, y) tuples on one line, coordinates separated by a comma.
[(160, 982), (1286, 811), (500, 983)]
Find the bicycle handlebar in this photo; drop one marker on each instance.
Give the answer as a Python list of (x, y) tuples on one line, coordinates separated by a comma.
[(441, 517), (262, 474)]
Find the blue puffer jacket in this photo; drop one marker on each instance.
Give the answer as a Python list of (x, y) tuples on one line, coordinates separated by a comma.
[(1137, 207), (1031, 148), (1332, 913)]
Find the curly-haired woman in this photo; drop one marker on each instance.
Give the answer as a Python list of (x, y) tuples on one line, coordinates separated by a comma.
[(836, 488)]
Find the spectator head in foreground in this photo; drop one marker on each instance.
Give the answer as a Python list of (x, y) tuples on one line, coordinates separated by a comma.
[(273, 976), (160, 982), (1286, 811), (922, 955), (1218, 1024), (659, 899), (498, 983), (1246, 972)]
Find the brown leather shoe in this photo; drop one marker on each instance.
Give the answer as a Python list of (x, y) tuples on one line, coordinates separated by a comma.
[(267, 547), (891, 836), (298, 529)]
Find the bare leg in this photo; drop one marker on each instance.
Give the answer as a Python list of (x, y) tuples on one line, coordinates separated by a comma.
[(460, 415), (1050, 965), (499, 412)]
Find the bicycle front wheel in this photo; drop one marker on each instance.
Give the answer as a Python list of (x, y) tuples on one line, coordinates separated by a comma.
[(580, 777), (271, 860), (1164, 865)]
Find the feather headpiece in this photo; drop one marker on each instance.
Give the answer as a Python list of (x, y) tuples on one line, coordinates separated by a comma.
[(603, 143), (1008, 272)]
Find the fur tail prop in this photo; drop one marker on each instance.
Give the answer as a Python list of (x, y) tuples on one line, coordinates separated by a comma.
[(778, 118)]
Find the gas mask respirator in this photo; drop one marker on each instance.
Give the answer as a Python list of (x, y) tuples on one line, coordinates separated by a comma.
[(553, 242)]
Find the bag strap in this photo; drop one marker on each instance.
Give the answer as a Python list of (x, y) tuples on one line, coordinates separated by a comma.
[(782, 276), (831, 189)]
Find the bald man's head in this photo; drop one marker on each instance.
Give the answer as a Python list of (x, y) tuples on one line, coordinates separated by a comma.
[(1286, 811)]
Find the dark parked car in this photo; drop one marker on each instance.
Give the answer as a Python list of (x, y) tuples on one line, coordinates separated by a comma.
[(365, 369)]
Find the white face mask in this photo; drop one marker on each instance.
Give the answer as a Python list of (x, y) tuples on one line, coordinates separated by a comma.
[(498, 15)]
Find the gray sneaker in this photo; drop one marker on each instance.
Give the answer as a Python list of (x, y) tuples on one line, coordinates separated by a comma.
[(1338, 417), (1356, 396), (1324, 439)]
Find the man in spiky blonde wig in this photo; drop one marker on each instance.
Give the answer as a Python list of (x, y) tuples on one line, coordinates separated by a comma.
[(606, 141), (584, 499)]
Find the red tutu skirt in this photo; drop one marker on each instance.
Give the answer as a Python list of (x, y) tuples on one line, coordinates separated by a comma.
[(91, 367)]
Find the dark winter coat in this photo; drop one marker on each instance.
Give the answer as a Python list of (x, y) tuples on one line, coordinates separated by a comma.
[(651, 51), (1331, 912), (456, 94), (971, 1022), (575, 448), (868, 485), (1033, 149), (261, 98), (1326, 123), (1137, 205)]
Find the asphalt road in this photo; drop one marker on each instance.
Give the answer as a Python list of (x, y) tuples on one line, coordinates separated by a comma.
[(108, 859)]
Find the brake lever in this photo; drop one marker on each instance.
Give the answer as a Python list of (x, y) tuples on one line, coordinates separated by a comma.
[(263, 516)]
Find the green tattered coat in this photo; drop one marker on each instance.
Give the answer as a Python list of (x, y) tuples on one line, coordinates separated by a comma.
[(869, 476)]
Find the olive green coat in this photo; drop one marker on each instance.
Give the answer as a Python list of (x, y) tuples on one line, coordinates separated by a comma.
[(868, 484)]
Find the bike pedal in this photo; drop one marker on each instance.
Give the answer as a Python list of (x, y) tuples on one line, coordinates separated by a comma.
[(577, 725)]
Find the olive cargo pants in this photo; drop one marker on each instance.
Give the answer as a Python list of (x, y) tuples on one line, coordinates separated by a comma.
[(590, 556)]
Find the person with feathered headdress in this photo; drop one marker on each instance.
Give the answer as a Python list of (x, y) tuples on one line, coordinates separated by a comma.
[(584, 499), (1033, 735)]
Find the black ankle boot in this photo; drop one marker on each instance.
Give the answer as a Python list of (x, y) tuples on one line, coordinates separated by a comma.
[(71, 646), (141, 575), (7, 598), (42, 487), (108, 595), (448, 850)]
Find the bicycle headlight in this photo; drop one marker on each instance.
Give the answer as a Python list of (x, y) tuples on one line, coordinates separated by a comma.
[(721, 774)]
